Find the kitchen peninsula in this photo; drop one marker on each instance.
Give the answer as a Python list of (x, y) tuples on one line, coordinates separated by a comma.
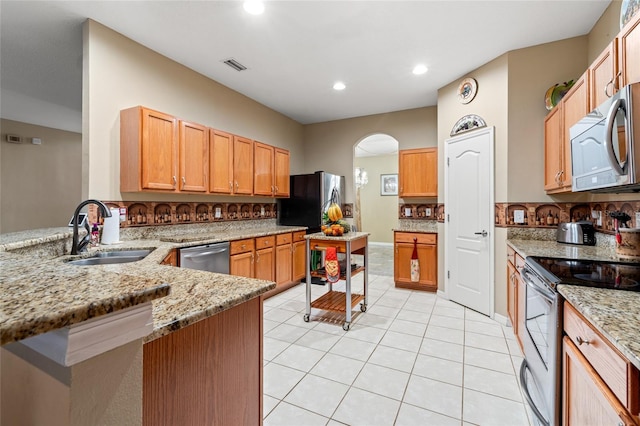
[(191, 314)]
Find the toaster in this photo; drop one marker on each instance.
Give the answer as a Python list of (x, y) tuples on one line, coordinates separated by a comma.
[(581, 232)]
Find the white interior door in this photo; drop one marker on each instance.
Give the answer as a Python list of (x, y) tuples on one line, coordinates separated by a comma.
[(469, 225)]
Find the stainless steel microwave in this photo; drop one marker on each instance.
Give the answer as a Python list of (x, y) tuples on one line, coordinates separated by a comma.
[(603, 155)]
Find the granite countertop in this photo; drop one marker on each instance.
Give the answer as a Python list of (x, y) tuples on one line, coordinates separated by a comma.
[(615, 313), (349, 236), (37, 296)]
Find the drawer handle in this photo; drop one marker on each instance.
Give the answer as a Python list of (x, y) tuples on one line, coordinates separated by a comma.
[(580, 341)]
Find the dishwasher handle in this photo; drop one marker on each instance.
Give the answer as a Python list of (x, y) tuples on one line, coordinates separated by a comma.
[(205, 254)]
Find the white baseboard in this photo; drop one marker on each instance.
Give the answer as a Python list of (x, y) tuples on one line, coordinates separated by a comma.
[(501, 319), (372, 243), (442, 294)]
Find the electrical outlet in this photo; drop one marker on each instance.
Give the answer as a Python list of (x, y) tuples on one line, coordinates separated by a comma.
[(518, 216), (597, 215), (637, 219), (427, 211)]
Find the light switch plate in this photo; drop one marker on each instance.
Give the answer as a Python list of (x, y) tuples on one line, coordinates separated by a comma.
[(597, 215), (637, 219), (518, 216)]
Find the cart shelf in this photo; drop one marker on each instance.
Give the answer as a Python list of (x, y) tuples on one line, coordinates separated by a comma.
[(335, 301)]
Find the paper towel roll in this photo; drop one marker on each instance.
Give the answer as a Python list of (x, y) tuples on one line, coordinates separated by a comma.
[(111, 229)]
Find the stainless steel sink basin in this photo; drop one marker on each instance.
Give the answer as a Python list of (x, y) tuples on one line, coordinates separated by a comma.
[(111, 257)]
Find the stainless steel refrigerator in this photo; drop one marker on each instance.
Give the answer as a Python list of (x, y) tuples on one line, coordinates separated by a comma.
[(310, 195)]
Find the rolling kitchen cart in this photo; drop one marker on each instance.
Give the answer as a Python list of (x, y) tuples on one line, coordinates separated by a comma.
[(338, 301)]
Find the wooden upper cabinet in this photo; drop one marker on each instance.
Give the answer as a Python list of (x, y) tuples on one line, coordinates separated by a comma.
[(576, 106), (194, 157), (148, 150), (220, 162), (418, 172), (553, 149), (557, 143), (242, 165), (602, 75), (282, 172), (629, 51), (263, 168)]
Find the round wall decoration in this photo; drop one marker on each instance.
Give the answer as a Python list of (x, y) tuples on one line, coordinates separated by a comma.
[(467, 90)]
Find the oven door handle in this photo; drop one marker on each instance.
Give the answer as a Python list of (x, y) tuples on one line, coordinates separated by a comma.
[(547, 295), (525, 388)]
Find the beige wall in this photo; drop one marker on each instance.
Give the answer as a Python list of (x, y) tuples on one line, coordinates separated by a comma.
[(529, 78), (330, 146), (119, 73), (40, 184), (379, 213), (604, 30)]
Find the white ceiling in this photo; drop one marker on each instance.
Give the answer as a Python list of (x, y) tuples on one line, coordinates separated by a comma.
[(294, 52)]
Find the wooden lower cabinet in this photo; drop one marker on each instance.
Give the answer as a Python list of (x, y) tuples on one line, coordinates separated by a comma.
[(264, 264), (299, 256), (427, 259), (171, 259), (241, 258), (284, 262), (208, 373), (586, 398), (515, 293)]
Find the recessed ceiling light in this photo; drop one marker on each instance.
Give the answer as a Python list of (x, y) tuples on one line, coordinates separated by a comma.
[(420, 69), (254, 7), (339, 86)]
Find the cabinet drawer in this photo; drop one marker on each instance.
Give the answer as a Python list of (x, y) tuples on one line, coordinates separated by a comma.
[(407, 237), (283, 238), (242, 246), (262, 242), (511, 255), (606, 360), (519, 262), (299, 236)]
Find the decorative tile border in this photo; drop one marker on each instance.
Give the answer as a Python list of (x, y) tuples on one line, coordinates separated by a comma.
[(421, 211), (548, 215), (151, 213)]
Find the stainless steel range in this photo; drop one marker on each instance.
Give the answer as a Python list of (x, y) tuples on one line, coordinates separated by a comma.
[(540, 371)]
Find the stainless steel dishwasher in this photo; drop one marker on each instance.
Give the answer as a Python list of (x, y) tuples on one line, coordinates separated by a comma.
[(210, 257)]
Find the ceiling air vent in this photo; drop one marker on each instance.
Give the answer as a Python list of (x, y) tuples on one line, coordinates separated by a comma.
[(235, 64)]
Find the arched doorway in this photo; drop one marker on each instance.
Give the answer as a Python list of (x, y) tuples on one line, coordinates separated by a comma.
[(376, 206)]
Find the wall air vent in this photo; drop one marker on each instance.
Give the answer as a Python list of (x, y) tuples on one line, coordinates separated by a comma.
[(235, 64), (14, 139)]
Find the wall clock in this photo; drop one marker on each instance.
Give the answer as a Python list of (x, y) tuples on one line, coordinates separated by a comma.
[(467, 90)]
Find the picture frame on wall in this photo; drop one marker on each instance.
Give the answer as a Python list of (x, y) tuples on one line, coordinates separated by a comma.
[(389, 184)]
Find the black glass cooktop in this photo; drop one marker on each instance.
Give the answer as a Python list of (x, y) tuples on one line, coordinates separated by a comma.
[(589, 273)]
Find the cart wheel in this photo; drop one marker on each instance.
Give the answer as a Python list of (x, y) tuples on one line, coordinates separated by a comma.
[(346, 326), (306, 317), (363, 307)]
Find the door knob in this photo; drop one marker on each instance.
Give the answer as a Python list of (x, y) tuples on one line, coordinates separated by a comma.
[(483, 233)]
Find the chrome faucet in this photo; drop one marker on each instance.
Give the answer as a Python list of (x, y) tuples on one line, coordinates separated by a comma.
[(79, 246)]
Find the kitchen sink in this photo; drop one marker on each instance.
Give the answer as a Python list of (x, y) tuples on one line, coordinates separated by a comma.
[(111, 257)]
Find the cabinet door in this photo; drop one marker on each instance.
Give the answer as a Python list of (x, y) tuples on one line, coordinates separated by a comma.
[(512, 299), (242, 165), (602, 74), (194, 157), (264, 264), (298, 268), (220, 162), (553, 144), (521, 294), (629, 51), (576, 106), (263, 179), (241, 265), (283, 264), (418, 172), (427, 259), (159, 151), (586, 398), (282, 172)]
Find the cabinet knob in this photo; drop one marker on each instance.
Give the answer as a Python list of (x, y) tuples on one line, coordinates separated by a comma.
[(230, 186), (175, 182), (580, 341), (184, 182)]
